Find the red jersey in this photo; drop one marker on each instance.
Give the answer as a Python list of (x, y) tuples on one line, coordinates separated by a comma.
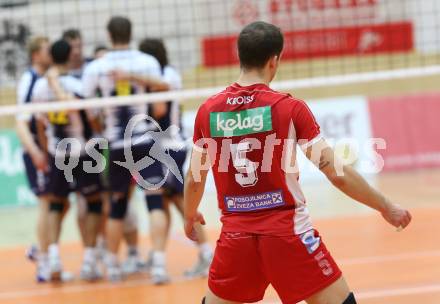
[(251, 135)]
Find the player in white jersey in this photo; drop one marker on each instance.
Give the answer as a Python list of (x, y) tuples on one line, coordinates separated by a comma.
[(176, 147), (77, 60), (99, 76), (34, 159), (67, 134)]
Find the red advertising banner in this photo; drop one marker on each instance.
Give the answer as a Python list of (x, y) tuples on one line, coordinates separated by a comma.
[(328, 42), (409, 125)]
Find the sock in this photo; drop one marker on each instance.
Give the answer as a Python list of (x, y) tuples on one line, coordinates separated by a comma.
[(100, 242), (132, 251), (43, 259), (205, 250), (111, 260), (53, 250), (89, 255), (158, 258)]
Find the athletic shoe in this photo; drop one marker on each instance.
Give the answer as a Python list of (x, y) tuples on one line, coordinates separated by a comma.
[(114, 273), (55, 268), (159, 275), (90, 272), (32, 253), (43, 273), (133, 264), (200, 269)]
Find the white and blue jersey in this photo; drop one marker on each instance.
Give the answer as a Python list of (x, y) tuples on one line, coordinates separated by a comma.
[(64, 124), (173, 115), (78, 73), (25, 91), (38, 181), (97, 77)]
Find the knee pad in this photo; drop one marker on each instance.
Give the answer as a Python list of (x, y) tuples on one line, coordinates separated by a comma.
[(118, 208), (94, 207), (350, 299), (154, 201), (56, 206)]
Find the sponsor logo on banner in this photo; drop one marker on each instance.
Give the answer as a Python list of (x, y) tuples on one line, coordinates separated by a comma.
[(227, 124), (254, 202), (314, 43), (12, 173), (408, 124)]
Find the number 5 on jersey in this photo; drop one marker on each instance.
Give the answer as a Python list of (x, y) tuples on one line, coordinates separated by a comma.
[(247, 170)]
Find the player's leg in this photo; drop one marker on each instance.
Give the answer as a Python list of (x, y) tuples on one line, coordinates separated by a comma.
[(104, 176), (58, 189), (89, 270), (119, 180), (153, 175), (336, 293), (211, 298), (89, 185), (38, 182), (57, 205), (81, 213), (133, 262), (159, 235)]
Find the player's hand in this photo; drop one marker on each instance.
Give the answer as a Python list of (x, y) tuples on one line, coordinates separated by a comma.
[(39, 159), (396, 215), (52, 75), (189, 225)]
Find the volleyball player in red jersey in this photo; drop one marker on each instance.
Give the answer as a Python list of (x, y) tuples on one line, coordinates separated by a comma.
[(248, 135)]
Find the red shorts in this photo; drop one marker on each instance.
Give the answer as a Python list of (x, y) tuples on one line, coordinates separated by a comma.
[(297, 266)]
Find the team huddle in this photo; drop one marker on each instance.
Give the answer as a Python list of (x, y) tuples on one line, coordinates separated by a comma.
[(95, 141)]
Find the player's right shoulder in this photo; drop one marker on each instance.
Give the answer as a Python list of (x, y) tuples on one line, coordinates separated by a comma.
[(25, 77), (216, 98), (41, 90), (94, 65)]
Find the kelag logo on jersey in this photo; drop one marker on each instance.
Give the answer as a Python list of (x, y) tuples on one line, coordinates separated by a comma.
[(227, 124)]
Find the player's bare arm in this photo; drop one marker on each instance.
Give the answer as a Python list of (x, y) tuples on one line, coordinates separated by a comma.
[(194, 188), (155, 84), (38, 156), (349, 181), (52, 76)]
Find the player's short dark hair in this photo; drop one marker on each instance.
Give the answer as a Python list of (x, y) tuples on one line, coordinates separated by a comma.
[(71, 34), (156, 48), (99, 48), (119, 29), (257, 43), (60, 51)]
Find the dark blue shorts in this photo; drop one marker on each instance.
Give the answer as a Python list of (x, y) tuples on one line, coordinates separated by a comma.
[(87, 184), (38, 181), (172, 185), (120, 178)]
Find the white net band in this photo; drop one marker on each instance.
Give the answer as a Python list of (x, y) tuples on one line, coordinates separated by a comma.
[(183, 95)]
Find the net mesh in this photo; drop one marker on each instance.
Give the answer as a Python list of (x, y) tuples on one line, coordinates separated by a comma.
[(324, 38)]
